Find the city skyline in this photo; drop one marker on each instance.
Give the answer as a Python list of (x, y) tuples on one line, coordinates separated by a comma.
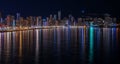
[(59, 32)]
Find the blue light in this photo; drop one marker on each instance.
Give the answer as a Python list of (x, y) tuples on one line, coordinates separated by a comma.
[(91, 44), (13, 23), (98, 37), (82, 36), (114, 37)]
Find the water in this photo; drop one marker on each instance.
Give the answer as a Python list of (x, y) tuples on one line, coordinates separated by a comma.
[(60, 46)]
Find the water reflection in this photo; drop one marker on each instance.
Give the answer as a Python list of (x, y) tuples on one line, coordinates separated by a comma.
[(37, 48), (91, 45), (83, 45), (13, 44), (114, 38), (20, 45), (106, 43), (8, 47)]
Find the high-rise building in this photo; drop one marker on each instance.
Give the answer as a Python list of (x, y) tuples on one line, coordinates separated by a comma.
[(40, 21), (51, 17), (20, 21), (59, 15), (8, 20), (37, 21), (34, 20), (44, 22), (55, 17), (18, 16), (13, 21), (70, 17)]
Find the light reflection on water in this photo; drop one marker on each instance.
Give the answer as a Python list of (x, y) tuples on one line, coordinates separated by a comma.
[(37, 48), (91, 47), (60, 46)]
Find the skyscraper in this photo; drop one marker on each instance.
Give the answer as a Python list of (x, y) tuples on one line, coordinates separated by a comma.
[(18, 16), (59, 15), (55, 17), (8, 20), (37, 21), (51, 17), (13, 21)]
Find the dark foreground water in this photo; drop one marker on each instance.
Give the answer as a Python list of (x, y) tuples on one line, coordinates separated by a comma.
[(61, 46)]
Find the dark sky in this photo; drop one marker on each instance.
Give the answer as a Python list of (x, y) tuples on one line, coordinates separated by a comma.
[(46, 7)]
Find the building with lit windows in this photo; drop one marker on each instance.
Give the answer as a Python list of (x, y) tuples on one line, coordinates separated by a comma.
[(59, 15)]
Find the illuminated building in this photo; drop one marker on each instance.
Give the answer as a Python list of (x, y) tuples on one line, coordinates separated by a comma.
[(18, 16), (28, 21), (13, 21), (51, 20), (114, 20), (31, 20), (8, 20), (72, 20), (21, 21), (51, 17), (1, 19), (70, 16), (55, 17), (37, 21), (56, 22), (79, 21), (59, 15), (47, 20), (40, 20), (34, 21), (44, 22)]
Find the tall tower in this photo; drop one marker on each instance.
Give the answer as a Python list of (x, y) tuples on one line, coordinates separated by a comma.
[(8, 20), (51, 17), (59, 15), (37, 21), (18, 16), (18, 19), (55, 17), (13, 21)]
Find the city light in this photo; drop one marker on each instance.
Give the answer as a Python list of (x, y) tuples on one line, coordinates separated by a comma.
[(91, 51), (18, 23)]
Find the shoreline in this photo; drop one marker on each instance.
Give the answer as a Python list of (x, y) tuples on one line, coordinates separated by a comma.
[(12, 29)]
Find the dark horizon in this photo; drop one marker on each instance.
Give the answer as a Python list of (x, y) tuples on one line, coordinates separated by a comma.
[(46, 7)]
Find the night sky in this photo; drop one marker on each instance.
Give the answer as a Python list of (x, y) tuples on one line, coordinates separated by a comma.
[(46, 7)]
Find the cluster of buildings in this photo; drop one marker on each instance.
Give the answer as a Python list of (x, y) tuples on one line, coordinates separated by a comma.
[(55, 20)]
